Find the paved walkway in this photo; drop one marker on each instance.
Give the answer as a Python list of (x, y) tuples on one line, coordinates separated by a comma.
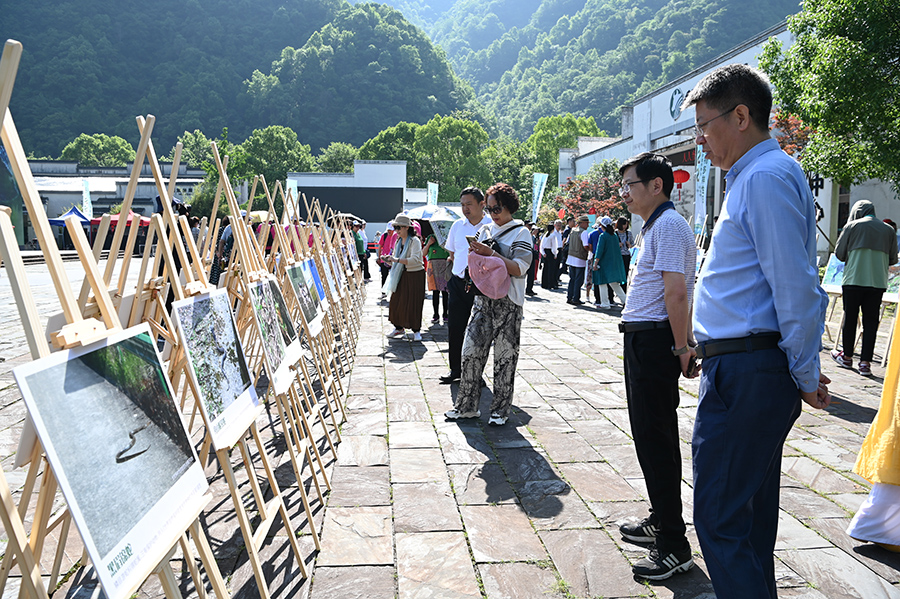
[(425, 508)]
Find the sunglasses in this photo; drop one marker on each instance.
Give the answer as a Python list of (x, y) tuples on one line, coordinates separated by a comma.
[(493, 209)]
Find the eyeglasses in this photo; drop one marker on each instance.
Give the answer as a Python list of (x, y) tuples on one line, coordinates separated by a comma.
[(626, 186), (699, 127), (493, 209)]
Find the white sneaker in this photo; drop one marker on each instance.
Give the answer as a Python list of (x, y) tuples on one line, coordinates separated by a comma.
[(455, 414), (395, 333), (417, 336), (497, 419)]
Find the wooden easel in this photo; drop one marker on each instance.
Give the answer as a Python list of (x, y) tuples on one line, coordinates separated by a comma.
[(290, 258), (77, 332), (245, 271)]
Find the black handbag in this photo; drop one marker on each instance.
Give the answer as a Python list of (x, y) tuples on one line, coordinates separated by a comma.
[(491, 242)]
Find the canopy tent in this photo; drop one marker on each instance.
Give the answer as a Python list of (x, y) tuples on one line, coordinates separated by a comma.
[(114, 220), (60, 221)]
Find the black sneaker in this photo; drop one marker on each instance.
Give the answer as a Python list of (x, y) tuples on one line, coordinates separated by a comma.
[(449, 378), (642, 532), (660, 567)]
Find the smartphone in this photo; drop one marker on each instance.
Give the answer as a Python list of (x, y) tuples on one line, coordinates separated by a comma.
[(693, 366), (471, 238)]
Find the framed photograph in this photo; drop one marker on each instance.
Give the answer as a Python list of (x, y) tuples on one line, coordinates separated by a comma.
[(113, 435), (217, 365), (328, 267), (834, 276), (892, 294), (303, 293), (340, 274), (310, 269), (281, 347)]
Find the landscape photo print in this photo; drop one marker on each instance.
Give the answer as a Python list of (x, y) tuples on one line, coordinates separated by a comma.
[(218, 366), (113, 435)]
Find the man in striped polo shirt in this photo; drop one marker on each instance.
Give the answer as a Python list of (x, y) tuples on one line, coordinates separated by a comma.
[(657, 351)]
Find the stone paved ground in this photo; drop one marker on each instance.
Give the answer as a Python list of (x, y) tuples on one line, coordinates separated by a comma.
[(425, 508)]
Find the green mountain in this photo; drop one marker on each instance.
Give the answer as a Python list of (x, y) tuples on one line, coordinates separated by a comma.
[(367, 70), (532, 58), (338, 71), (91, 66)]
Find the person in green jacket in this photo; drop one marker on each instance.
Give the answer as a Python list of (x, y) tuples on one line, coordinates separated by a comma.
[(607, 267), (867, 246)]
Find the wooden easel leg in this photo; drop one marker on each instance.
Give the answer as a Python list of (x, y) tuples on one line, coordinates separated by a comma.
[(188, 554), (305, 432), (244, 522), (284, 515), (167, 578), (209, 561)]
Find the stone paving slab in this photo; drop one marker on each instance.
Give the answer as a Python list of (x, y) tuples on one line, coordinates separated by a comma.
[(417, 466), (359, 536), (590, 564), (359, 450), (501, 533), (358, 485), (479, 484), (520, 581), (435, 565), (425, 507), (354, 582)]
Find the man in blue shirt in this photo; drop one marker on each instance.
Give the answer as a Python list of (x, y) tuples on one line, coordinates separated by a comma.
[(758, 317)]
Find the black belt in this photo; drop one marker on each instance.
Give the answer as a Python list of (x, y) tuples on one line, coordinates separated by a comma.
[(631, 327), (749, 344)]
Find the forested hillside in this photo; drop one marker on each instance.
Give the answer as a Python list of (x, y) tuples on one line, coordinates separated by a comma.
[(91, 66), (533, 58), (366, 70), (343, 72)]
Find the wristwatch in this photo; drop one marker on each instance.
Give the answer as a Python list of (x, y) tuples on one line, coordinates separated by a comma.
[(680, 351)]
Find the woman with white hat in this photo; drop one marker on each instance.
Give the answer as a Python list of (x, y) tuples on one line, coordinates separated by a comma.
[(406, 281)]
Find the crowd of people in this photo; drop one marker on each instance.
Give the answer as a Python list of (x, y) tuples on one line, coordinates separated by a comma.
[(754, 315)]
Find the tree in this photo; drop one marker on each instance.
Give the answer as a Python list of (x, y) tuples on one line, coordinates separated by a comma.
[(99, 150), (195, 151), (394, 143), (274, 152), (598, 190), (551, 133), (841, 77), (792, 135), (448, 152), (338, 157)]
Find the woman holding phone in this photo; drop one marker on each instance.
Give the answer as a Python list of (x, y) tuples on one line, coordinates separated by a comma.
[(496, 321)]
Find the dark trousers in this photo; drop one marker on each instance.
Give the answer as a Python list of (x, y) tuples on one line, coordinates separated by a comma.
[(532, 272), (364, 260), (576, 281), (651, 386), (869, 300), (436, 302), (384, 273), (748, 403), (460, 310)]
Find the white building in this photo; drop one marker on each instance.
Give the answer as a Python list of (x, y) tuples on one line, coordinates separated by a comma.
[(655, 123)]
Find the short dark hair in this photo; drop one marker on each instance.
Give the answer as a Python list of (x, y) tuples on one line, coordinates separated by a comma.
[(732, 85), (550, 227), (473, 191), (648, 166), (505, 195)]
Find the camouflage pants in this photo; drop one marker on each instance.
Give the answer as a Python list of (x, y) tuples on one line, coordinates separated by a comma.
[(497, 322)]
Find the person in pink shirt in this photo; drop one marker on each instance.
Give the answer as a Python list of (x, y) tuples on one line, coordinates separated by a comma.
[(385, 248)]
